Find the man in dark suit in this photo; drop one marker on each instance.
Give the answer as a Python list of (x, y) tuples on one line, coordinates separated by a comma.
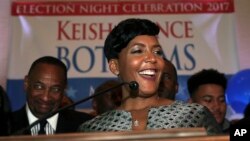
[(45, 85)]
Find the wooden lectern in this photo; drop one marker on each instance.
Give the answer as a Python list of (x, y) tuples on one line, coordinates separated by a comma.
[(177, 134)]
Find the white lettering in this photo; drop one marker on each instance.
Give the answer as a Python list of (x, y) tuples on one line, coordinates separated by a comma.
[(99, 8), (239, 132)]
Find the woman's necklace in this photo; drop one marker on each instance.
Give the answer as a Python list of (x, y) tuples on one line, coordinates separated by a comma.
[(139, 116), (136, 122)]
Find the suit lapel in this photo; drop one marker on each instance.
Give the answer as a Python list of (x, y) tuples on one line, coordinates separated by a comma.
[(20, 121)]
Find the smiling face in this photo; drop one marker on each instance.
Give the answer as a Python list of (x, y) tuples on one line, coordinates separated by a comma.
[(45, 88), (212, 96), (140, 61)]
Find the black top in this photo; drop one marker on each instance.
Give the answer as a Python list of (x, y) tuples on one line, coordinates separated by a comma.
[(4, 113)]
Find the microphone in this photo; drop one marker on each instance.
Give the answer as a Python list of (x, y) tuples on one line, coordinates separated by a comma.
[(133, 85)]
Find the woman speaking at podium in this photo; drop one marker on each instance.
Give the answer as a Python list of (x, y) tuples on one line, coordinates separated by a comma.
[(135, 54)]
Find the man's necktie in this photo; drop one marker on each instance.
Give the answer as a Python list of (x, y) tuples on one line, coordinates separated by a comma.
[(42, 127)]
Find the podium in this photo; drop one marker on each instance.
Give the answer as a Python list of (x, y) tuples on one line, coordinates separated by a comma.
[(177, 134)]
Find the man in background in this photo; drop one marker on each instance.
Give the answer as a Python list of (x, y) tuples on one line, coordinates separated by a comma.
[(45, 85), (108, 101), (207, 87)]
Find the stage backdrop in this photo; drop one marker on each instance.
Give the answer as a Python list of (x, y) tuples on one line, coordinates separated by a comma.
[(195, 35)]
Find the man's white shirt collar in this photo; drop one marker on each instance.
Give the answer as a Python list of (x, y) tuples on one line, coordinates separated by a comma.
[(52, 120)]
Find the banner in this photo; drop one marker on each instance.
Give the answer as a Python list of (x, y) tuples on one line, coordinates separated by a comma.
[(194, 35)]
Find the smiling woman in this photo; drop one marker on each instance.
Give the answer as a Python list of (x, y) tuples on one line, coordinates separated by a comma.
[(135, 54)]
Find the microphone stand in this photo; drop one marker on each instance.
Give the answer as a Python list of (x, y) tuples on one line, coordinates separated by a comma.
[(66, 107)]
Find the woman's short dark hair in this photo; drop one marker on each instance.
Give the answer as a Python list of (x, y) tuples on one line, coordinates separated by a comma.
[(124, 32)]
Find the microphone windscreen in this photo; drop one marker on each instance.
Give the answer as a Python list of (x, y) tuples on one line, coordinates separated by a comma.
[(133, 85)]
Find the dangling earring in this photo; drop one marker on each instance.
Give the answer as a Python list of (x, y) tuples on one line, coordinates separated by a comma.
[(117, 74)]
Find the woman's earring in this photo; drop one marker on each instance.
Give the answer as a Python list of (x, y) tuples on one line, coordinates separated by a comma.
[(117, 74)]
